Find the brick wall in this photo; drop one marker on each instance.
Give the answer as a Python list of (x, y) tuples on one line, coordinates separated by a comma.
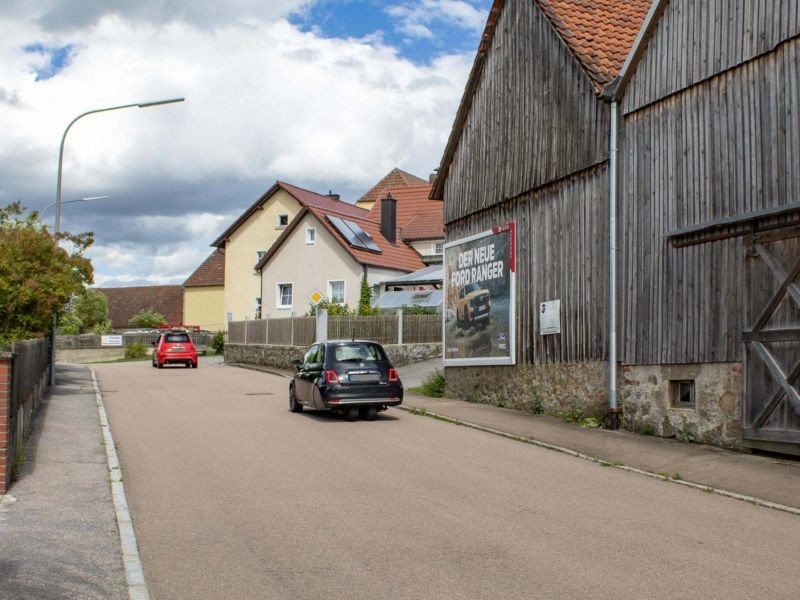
[(5, 434)]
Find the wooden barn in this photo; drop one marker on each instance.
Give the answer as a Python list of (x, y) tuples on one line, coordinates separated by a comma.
[(648, 153)]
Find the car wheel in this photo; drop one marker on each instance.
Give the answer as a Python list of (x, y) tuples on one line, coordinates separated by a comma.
[(153, 363), (159, 365), (188, 365), (368, 413), (194, 365), (294, 405), (351, 414)]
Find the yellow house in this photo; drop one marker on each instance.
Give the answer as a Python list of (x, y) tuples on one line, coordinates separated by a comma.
[(246, 241), (204, 294)]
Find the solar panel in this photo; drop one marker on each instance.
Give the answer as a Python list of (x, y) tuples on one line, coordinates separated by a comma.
[(363, 237), (354, 234)]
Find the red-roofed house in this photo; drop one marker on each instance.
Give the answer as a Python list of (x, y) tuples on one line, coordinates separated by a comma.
[(394, 179), (253, 233), (249, 237), (331, 252)]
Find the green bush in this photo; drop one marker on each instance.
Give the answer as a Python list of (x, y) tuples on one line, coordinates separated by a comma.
[(331, 307), (147, 317), (136, 350), (433, 384), (218, 342)]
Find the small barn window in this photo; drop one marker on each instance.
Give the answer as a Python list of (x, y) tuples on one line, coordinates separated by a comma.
[(683, 394)]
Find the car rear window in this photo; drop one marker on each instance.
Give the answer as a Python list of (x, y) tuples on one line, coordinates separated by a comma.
[(358, 352), (177, 338)]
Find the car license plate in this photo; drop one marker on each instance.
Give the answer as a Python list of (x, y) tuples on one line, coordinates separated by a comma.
[(364, 377), (178, 349)]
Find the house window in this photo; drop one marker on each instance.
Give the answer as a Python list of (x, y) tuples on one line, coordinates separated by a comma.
[(283, 220), (311, 236), (438, 248), (284, 295), (259, 255), (336, 291), (682, 394)]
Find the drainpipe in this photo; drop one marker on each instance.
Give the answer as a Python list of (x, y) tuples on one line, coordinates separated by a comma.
[(613, 409)]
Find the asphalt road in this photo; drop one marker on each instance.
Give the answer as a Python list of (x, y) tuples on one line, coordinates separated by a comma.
[(232, 496)]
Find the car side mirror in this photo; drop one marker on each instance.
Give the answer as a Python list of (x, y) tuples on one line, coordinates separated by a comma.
[(297, 363)]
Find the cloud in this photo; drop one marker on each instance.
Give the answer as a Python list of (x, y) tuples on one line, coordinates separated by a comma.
[(415, 18), (72, 15), (264, 101)]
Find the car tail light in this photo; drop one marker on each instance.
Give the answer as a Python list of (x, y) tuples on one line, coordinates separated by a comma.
[(331, 377), (393, 376)]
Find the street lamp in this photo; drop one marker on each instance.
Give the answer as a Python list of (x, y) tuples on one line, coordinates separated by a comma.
[(58, 198), (87, 199)]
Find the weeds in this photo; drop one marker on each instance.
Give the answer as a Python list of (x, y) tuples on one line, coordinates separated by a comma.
[(433, 385), (135, 350), (590, 422), (648, 429)]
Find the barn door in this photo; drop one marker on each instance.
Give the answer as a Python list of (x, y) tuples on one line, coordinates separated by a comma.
[(771, 406)]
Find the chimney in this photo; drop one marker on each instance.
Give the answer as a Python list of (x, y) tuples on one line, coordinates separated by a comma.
[(432, 176), (389, 218), (334, 196)]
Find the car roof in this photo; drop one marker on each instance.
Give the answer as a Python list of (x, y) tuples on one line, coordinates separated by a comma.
[(350, 342)]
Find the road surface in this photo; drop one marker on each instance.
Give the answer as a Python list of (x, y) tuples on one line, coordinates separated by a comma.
[(233, 496)]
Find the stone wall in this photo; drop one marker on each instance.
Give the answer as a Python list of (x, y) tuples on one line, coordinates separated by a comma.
[(646, 399), (550, 388), (90, 355), (281, 357)]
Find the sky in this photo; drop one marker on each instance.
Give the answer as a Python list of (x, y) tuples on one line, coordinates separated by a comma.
[(325, 94)]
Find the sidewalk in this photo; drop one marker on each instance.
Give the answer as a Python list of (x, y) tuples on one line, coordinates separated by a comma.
[(771, 479), (58, 530)]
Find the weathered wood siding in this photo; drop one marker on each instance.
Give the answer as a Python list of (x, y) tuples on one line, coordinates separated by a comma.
[(697, 39), (534, 117), (727, 146), (562, 253)]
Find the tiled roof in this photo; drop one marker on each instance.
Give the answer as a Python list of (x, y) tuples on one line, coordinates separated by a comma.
[(400, 257), (124, 302), (599, 32), (396, 178), (211, 272), (304, 198), (418, 217)]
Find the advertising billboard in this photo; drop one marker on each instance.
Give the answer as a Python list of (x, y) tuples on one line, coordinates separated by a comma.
[(480, 298)]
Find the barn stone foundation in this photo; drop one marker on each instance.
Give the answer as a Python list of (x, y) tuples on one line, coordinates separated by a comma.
[(647, 400), (553, 388)]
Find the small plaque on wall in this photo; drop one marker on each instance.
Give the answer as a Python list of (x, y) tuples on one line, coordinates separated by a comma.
[(550, 317)]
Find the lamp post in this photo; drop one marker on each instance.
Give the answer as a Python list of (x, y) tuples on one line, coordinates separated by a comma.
[(87, 199), (58, 199)]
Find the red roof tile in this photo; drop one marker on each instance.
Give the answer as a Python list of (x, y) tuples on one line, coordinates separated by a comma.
[(418, 217), (396, 178), (211, 272), (599, 32), (124, 302), (400, 256)]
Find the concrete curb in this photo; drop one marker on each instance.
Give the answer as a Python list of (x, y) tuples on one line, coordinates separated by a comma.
[(134, 573), (518, 438)]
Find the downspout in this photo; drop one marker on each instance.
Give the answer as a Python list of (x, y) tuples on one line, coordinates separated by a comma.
[(613, 408)]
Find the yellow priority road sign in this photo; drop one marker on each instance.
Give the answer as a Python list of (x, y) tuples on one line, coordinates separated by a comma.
[(315, 296)]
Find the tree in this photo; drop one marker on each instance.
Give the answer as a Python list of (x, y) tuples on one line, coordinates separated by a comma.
[(365, 299), (37, 276), (88, 313), (147, 317)]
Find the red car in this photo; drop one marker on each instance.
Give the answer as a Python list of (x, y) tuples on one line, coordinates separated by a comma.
[(174, 347)]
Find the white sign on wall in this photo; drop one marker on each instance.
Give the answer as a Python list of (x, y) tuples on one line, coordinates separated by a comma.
[(111, 340), (550, 317)]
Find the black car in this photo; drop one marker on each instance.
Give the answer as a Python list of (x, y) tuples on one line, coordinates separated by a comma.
[(352, 377)]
